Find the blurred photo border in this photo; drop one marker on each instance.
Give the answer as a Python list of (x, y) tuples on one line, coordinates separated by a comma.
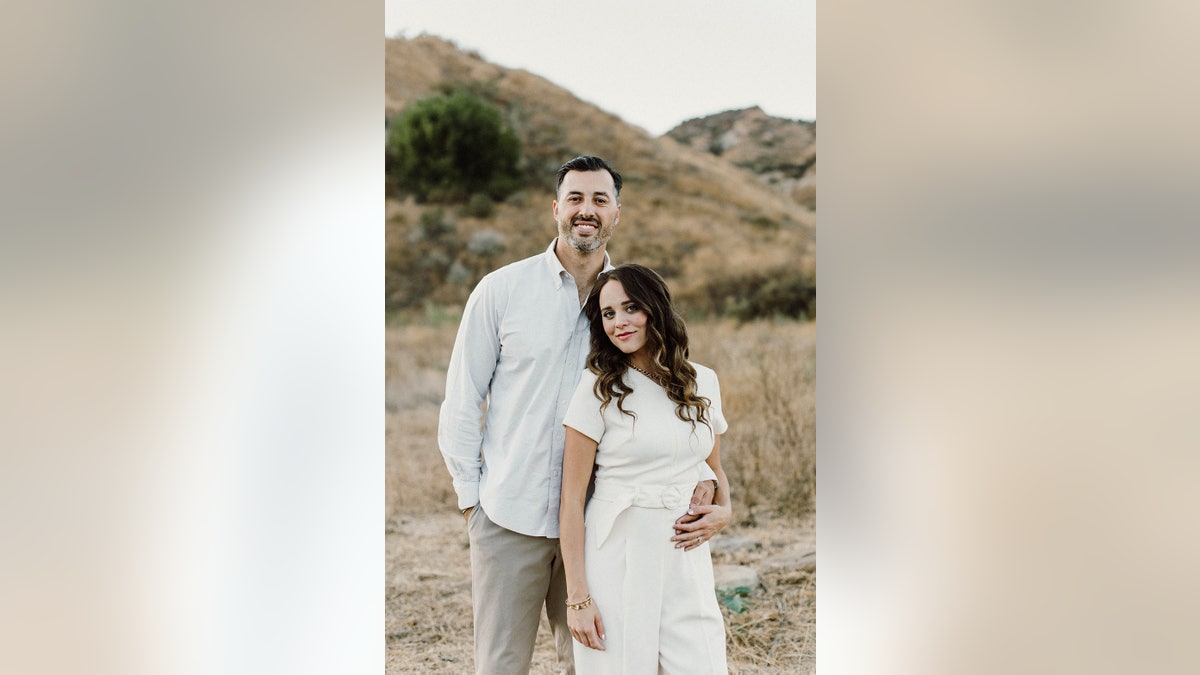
[(192, 472)]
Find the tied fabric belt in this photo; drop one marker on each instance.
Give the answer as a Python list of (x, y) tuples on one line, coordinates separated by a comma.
[(610, 499)]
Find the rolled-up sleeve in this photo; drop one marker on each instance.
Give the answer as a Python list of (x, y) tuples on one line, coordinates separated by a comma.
[(468, 376)]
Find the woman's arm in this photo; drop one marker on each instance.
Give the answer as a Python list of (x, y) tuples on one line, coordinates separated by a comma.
[(713, 518), (578, 458)]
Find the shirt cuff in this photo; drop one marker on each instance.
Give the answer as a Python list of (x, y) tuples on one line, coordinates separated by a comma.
[(468, 493)]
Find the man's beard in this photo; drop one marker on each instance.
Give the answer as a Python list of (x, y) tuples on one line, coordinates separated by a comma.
[(600, 238)]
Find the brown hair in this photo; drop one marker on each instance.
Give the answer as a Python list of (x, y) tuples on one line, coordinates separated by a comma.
[(666, 342)]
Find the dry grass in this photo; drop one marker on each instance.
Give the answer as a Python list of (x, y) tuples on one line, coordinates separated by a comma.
[(768, 385), (768, 388), (778, 632)]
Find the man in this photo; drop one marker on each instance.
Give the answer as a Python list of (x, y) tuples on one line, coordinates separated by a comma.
[(522, 345)]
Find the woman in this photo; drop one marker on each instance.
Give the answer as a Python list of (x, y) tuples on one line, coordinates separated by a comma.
[(646, 419)]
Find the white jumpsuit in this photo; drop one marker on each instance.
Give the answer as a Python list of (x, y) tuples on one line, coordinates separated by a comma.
[(657, 602)]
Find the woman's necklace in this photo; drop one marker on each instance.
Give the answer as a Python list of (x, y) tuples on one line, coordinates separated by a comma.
[(650, 377)]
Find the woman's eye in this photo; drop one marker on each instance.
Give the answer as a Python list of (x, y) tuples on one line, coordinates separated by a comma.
[(631, 308), (607, 315)]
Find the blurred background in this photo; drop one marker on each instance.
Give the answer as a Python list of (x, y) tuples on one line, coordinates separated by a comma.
[(195, 311)]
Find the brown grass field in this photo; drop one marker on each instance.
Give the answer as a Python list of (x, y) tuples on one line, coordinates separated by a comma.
[(768, 383)]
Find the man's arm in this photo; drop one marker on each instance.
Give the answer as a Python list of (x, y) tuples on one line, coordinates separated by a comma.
[(703, 521), (468, 377), (706, 489), (703, 495)]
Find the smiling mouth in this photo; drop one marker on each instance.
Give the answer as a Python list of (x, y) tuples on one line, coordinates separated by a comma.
[(622, 336)]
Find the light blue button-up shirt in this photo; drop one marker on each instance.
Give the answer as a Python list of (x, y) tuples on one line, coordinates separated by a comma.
[(521, 346)]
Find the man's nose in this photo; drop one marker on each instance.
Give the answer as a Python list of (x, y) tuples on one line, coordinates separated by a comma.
[(586, 209)]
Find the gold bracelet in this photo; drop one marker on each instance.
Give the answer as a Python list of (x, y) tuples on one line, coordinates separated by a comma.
[(582, 604)]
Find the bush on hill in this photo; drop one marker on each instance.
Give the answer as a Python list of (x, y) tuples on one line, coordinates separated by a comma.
[(749, 294), (446, 147)]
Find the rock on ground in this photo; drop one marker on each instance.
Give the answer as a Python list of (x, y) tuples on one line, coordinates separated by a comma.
[(729, 577), (796, 560), (732, 543)]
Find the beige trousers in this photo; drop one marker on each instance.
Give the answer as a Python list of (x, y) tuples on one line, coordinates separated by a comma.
[(512, 577)]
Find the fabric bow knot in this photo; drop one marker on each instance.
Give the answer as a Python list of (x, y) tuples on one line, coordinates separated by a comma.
[(611, 499)]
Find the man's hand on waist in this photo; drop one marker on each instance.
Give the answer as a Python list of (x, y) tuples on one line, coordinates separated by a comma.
[(703, 495)]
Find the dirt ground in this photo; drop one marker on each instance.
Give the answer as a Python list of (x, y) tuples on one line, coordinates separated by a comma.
[(429, 599)]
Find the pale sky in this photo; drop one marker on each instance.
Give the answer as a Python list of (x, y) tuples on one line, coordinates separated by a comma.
[(654, 63)]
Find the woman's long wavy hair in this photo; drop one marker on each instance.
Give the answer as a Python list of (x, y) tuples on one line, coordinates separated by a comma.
[(666, 342)]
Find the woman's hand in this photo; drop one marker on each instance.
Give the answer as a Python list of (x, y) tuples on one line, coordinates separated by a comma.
[(709, 520), (586, 626)]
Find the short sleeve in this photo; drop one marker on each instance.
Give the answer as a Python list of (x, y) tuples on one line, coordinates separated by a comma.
[(716, 415), (583, 413)]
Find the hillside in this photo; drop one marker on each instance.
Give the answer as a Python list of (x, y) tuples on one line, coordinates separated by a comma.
[(726, 241), (781, 152)]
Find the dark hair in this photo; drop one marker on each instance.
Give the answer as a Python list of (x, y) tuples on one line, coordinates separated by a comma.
[(589, 164), (666, 341)]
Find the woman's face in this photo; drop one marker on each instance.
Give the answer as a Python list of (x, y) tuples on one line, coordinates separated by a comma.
[(624, 320)]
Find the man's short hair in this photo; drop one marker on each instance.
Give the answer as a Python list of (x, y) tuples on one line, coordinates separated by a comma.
[(589, 164)]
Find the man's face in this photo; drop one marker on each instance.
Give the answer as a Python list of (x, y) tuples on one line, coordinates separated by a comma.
[(587, 210)]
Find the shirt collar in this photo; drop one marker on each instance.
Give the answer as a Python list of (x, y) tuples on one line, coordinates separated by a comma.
[(556, 267)]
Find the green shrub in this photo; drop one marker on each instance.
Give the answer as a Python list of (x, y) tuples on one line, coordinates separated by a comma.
[(735, 598), (446, 147), (757, 293), (480, 206), (788, 294), (762, 222), (434, 224)]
